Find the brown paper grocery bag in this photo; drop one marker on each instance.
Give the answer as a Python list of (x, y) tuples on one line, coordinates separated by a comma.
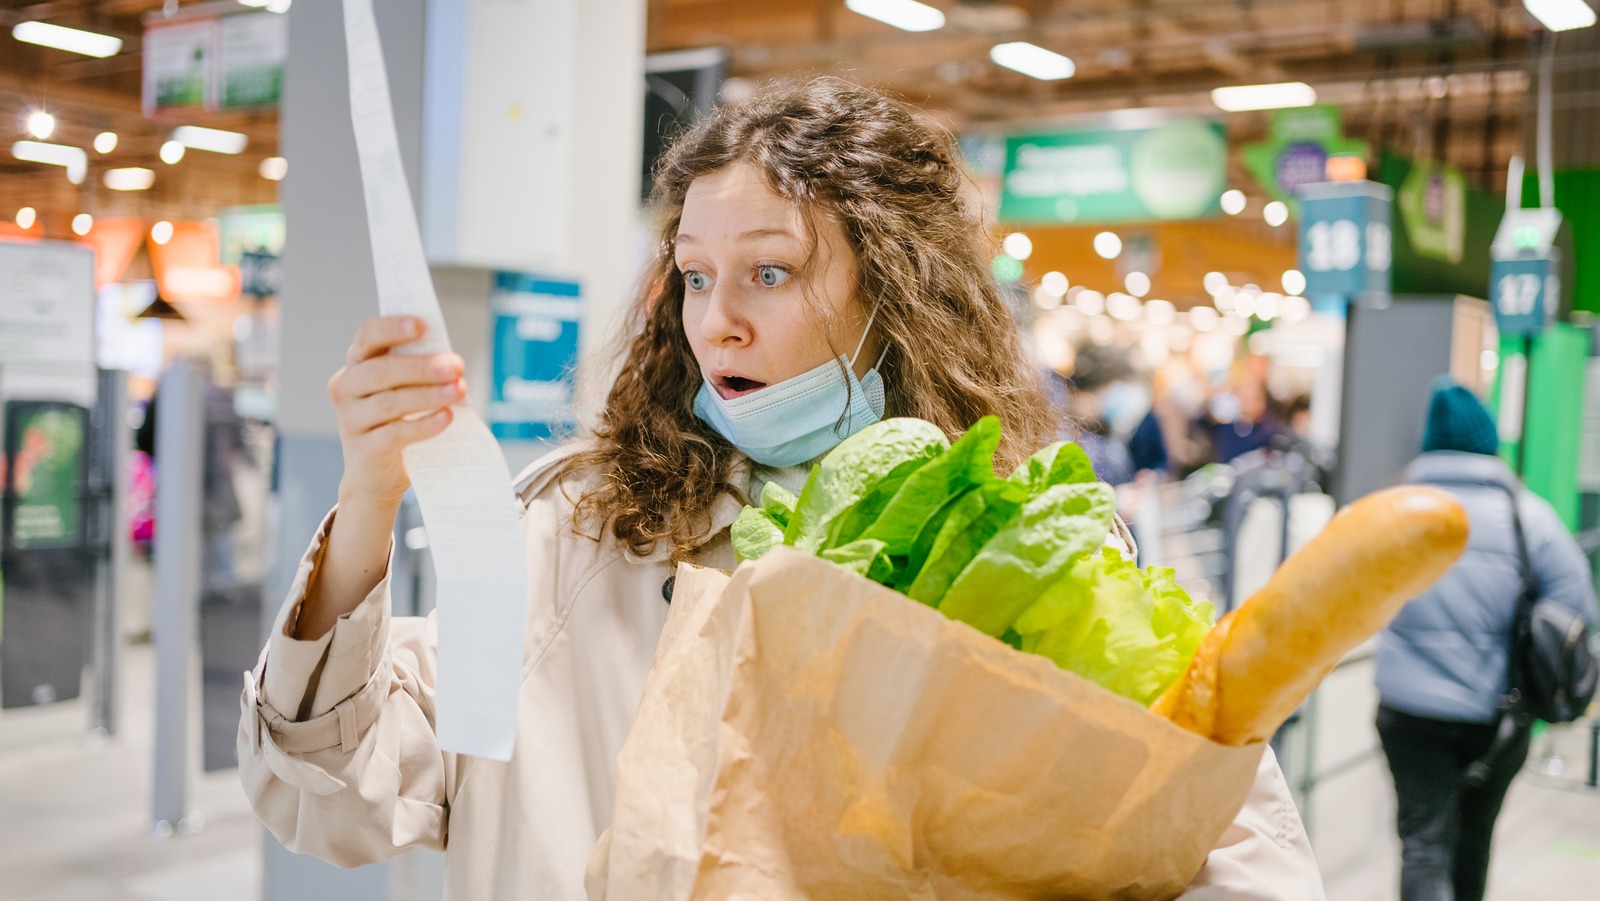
[(806, 733)]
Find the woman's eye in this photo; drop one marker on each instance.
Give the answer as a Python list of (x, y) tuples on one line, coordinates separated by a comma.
[(772, 276), (696, 280)]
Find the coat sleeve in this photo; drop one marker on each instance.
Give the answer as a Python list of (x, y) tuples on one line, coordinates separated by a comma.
[(1265, 854), (1558, 563), (336, 742)]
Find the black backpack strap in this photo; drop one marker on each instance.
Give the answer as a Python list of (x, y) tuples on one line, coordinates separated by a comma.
[(1514, 716)]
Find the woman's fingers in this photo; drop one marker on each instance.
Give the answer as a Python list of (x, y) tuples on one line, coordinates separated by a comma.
[(381, 334), (401, 433), (393, 371), (375, 411)]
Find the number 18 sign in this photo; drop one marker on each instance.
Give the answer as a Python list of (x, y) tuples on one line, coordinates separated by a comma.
[(1345, 246)]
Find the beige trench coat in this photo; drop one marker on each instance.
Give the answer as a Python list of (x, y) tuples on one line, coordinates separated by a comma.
[(338, 758)]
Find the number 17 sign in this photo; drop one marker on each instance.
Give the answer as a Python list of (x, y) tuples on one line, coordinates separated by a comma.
[(1345, 241)]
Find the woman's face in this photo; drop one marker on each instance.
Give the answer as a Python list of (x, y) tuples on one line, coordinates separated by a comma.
[(750, 285)]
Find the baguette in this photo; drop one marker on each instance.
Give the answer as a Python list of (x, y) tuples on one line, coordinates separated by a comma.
[(1259, 662)]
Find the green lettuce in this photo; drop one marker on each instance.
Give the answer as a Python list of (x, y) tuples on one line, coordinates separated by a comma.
[(1131, 631), (891, 448)]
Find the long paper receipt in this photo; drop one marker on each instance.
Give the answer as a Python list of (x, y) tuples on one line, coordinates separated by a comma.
[(460, 476)]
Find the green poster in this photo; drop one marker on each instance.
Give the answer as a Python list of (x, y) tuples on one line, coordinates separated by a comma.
[(1176, 170), (177, 65), (254, 47), (1295, 154), (47, 472), (1432, 202)]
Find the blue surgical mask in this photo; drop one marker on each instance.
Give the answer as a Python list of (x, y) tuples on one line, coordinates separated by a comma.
[(798, 419)]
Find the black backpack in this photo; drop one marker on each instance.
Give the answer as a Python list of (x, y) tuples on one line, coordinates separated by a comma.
[(1551, 666)]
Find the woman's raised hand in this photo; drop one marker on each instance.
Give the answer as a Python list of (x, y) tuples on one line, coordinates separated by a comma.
[(386, 401)]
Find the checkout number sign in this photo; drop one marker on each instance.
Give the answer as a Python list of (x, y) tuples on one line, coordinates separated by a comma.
[(1524, 293), (1345, 240)]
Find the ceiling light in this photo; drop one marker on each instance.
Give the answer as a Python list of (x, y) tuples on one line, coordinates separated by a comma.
[(1264, 96), (1055, 283), (132, 178), (278, 6), (81, 224), (161, 232), (1160, 312), (1223, 299), (1214, 282), (1137, 283), (1294, 281), (71, 40), (73, 158), (41, 124), (1233, 202), (1203, 319), (1295, 308), (1276, 213), (1090, 303), (253, 4), (1123, 306), (906, 15), (1044, 300), (1032, 60), (1561, 15), (1267, 306), (105, 142), (171, 152), (1017, 245), (274, 168), (26, 217), (1108, 245), (212, 139)]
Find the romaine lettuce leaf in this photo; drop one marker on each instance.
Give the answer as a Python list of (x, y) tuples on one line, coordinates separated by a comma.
[(754, 533), (968, 462), (850, 470), (1131, 631), (865, 557), (1034, 548), (1062, 463), (977, 518)]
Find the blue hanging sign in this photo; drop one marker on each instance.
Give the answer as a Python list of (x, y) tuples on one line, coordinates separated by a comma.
[(534, 350), (1345, 239)]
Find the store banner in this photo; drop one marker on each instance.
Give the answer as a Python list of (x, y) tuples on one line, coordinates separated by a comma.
[(1432, 202), (254, 47), (1175, 170), (179, 64), (1299, 143), (534, 350)]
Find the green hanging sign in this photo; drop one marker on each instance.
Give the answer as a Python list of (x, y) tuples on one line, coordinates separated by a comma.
[(1432, 202), (1175, 170), (1299, 143)]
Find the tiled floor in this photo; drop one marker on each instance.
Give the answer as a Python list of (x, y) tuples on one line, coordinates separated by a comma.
[(73, 818)]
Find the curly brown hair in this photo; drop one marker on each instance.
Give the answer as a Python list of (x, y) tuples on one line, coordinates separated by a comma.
[(920, 252)]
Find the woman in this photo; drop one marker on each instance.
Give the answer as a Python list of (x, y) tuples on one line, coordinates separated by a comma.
[(1441, 664), (817, 270)]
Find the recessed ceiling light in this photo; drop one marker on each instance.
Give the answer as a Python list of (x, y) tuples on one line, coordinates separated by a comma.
[(274, 168), (1240, 98), (906, 15), (133, 178), (1033, 60), (26, 217), (213, 139), (1561, 15), (105, 142), (41, 124), (71, 40), (171, 153), (82, 223)]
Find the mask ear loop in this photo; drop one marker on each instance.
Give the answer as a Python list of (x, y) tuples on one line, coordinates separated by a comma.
[(863, 342)]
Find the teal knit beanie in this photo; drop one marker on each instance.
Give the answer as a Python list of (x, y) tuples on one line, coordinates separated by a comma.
[(1458, 421)]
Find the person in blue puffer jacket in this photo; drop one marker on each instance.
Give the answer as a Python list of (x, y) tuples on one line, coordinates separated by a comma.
[(1441, 665)]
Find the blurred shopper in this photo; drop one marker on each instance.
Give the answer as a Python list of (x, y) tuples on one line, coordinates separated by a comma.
[(1442, 664), (808, 226), (1113, 417), (1239, 420)]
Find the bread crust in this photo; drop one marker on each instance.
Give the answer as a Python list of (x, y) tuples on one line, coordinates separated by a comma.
[(1261, 661)]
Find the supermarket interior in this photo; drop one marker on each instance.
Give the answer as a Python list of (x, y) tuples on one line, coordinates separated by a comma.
[(1271, 264)]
